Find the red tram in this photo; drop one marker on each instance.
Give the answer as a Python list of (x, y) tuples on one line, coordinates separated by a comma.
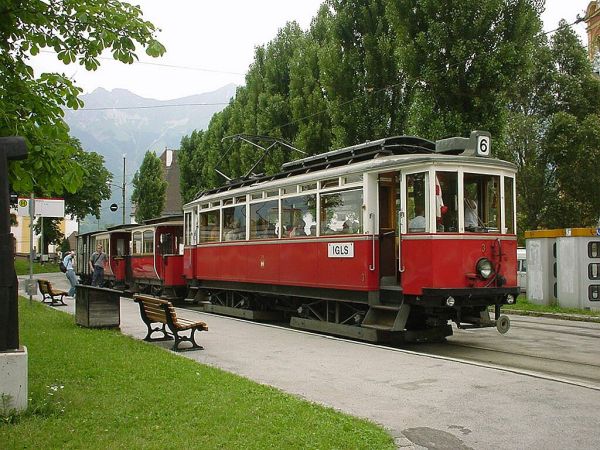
[(141, 258), (386, 240)]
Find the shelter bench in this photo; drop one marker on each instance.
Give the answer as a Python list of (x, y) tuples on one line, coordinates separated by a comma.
[(48, 292), (158, 311)]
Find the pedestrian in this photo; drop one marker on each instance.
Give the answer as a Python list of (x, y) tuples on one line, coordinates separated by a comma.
[(69, 262), (97, 266)]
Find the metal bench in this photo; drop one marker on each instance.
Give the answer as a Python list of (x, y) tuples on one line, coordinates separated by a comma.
[(157, 311), (48, 292)]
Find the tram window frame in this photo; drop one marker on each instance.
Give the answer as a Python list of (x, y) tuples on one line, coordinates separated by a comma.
[(331, 183), (447, 206), (411, 203), (137, 240), (187, 228), (309, 187), (352, 179), (478, 185), (256, 196), (291, 226), (235, 233), (350, 225), (509, 205), (148, 242), (289, 190), (212, 234), (257, 233)]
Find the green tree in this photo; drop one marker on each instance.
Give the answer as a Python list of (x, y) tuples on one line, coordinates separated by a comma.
[(31, 106), (95, 187), (149, 188), (463, 58), (552, 136)]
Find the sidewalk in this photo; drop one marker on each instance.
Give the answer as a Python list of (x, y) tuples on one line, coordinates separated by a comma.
[(432, 401)]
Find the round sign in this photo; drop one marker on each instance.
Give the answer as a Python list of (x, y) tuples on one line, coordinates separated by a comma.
[(22, 203), (114, 207)]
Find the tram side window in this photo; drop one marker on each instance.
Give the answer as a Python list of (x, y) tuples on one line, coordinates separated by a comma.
[(299, 216), (148, 241), (509, 206), (264, 220), (234, 223), (446, 201), (481, 202), (341, 212), (188, 228), (209, 226), (416, 196), (137, 242)]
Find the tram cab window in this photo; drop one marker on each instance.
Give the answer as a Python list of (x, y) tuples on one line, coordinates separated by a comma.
[(234, 223), (188, 228), (299, 216), (446, 202), (416, 202), (481, 206), (341, 212), (509, 206), (209, 226), (264, 220)]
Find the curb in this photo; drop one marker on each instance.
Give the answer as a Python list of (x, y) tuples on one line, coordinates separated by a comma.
[(574, 317)]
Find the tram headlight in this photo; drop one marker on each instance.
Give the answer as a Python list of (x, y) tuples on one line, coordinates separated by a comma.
[(484, 268), (450, 301), (510, 299)]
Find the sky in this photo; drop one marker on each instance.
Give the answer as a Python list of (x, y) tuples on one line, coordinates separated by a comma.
[(211, 43)]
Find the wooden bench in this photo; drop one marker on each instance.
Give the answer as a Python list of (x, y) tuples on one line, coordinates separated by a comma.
[(48, 292), (157, 311)]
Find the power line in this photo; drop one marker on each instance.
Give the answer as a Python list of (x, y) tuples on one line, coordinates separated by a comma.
[(174, 105), (170, 66)]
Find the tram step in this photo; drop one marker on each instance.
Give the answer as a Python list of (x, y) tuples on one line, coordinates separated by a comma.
[(386, 307), (378, 327), (386, 317), (390, 287)]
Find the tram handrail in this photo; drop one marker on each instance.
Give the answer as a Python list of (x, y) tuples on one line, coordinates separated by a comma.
[(372, 266)]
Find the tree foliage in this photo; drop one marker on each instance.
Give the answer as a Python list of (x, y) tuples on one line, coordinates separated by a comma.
[(367, 69), (78, 31), (149, 188)]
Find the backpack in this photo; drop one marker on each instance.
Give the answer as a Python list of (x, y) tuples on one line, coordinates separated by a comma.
[(62, 267)]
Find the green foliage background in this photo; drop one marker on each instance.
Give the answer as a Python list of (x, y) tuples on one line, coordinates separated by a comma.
[(367, 69), (149, 188)]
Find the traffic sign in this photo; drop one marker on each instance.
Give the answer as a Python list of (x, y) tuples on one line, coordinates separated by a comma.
[(114, 207)]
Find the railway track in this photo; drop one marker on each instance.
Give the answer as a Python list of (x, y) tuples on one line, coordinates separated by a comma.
[(561, 351)]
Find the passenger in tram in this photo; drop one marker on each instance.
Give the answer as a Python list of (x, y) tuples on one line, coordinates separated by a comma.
[(471, 217), (418, 222)]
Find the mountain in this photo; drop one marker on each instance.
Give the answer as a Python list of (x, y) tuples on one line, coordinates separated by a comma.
[(119, 122)]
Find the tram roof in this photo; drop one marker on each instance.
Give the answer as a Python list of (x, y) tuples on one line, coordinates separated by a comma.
[(397, 145)]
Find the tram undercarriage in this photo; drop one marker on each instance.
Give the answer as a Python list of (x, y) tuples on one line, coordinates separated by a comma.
[(369, 321)]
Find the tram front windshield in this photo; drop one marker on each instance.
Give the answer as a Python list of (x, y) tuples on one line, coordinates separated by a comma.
[(480, 197)]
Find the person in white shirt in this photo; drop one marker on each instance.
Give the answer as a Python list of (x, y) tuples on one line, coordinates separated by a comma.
[(69, 261), (471, 217), (417, 223)]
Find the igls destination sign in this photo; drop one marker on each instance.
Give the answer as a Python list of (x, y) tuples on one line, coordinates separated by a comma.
[(340, 250)]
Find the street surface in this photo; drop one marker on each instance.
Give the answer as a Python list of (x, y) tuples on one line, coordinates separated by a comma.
[(423, 398)]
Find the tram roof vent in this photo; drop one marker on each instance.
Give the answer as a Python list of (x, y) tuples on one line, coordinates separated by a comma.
[(479, 144)]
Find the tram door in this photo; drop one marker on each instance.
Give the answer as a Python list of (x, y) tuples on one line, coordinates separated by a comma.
[(388, 240)]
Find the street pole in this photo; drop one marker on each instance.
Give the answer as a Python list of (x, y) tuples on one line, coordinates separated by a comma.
[(11, 148), (123, 205)]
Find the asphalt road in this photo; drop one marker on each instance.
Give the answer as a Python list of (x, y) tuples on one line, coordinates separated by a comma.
[(425, 400)]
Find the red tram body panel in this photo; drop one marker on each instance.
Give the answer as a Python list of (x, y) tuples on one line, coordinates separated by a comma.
[(448, 262), (303, 262)]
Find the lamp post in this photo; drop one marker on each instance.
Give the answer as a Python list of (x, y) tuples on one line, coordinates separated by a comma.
[(122, 187)]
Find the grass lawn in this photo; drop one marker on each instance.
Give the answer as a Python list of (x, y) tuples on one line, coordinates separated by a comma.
[(22, 267), (524, 305), (99, 389)]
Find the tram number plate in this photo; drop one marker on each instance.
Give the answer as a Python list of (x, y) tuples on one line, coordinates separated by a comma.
[(340, 250)]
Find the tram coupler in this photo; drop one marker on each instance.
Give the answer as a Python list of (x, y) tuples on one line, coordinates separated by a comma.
[(502, 322)]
